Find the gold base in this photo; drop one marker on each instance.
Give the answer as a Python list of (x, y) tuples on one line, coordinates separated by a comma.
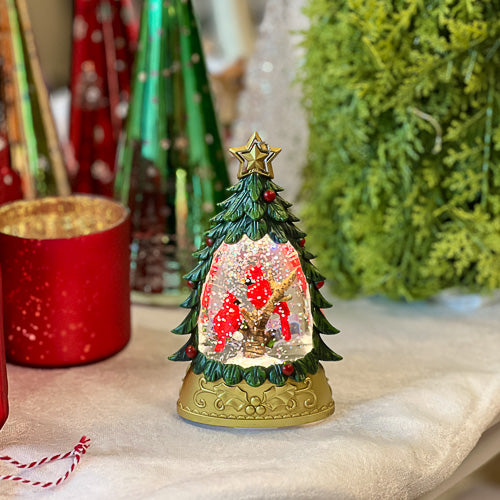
[(241, 405)]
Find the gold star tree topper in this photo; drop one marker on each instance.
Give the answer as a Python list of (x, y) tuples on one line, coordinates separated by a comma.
[(255, 156)]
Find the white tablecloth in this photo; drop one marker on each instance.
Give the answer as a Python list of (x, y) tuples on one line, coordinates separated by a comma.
[(419, 385)]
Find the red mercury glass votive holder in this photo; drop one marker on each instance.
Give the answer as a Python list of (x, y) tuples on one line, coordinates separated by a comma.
[(4, 402), (66, 292)]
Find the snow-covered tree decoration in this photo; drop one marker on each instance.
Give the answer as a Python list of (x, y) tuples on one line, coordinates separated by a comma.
[(255, 306)]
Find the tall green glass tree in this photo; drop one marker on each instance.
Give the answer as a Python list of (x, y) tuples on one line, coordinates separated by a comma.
[(403, 184), (171, 167)]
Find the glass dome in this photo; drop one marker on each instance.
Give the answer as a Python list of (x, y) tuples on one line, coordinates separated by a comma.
[(255, 305)]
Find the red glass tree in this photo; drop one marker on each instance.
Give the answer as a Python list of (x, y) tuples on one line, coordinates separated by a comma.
[(104, 39), (10, 182)]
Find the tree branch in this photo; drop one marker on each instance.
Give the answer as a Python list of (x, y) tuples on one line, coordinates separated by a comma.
[(279, 293)]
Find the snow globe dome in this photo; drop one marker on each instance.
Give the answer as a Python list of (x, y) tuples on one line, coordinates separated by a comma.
[(255, 305)]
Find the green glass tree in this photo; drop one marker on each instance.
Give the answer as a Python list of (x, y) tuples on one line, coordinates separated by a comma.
[(35, 154), (402, 182), (171, 168), (254, 246)]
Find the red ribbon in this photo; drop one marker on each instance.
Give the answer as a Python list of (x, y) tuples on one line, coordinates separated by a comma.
[(75, 454)]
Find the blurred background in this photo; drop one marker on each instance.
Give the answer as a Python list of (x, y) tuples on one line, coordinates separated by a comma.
[(251, 52), (52, 22), (229, 30)]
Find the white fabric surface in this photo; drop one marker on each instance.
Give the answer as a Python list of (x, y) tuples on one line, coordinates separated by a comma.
[(418, 386)]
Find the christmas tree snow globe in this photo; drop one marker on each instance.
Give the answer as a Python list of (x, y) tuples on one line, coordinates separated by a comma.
[(255, 320)]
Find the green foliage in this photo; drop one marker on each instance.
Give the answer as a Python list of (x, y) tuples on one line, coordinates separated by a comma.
[(213, 371), (276, 376), (232, 374), (403, 177), (246, 212), (255, 375)]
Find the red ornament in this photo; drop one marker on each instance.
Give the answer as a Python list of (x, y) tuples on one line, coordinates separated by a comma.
[(4, 404), (191, 352), (269, 195), (288, 369), (190, 284), (66, 299), (302, 242), (209, 241), (319, 284)]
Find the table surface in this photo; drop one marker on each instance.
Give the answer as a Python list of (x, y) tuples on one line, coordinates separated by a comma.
[(417, 388)]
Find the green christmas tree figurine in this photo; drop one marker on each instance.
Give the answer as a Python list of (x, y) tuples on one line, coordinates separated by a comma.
[(255, 319), (171, 167)]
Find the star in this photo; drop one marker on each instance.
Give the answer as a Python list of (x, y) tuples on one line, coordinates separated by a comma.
[(256, 156)]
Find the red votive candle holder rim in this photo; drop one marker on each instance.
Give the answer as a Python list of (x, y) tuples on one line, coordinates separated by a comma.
[(33, 209)]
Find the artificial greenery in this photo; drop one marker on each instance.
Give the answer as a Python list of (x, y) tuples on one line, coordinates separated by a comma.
[(246, 212), (403, 177)]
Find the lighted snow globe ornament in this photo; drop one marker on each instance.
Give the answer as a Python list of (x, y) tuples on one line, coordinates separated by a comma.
[(255, 315)]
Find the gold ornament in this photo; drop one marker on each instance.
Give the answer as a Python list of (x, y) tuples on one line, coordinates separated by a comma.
[(256, 156), (268, 405)]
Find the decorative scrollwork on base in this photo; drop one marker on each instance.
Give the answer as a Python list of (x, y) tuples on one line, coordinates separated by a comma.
[(264, 406)]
